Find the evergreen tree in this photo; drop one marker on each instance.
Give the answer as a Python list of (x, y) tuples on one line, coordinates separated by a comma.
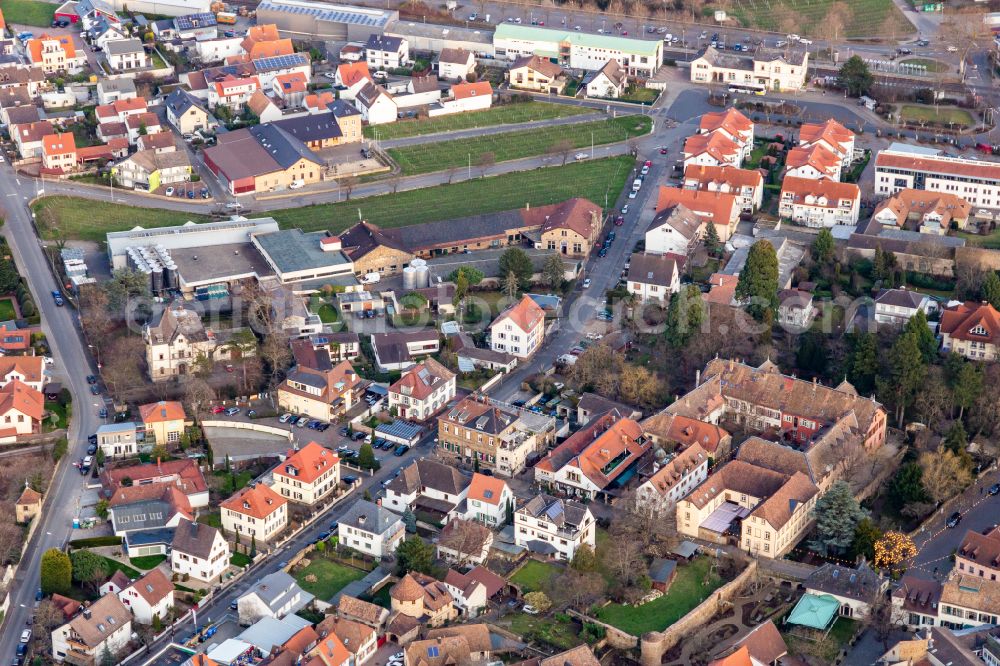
[(414, 554), (758, 281), (837, 516), (515, 260), (366, 457), (907, 486), (553, 271), (684, 316), (253, 547), (823, 246), (968, 385), (884, 266), (917, 326), (855, 77), (711, 240), (956, 440), (56, 572), (811, 356), (865, 536), (907, 371), (863, 366), (990, 291), (107, 659), (410, 521)]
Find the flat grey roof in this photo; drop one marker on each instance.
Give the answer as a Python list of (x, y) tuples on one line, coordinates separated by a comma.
[(321, 11), (219, 263), (433, 31), (292, 250)]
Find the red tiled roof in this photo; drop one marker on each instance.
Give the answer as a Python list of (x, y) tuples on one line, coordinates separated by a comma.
[(258, 501), (830, 131), (718, 207), (422, 380), (730, 120), (351, 73), (487, 489), (958, 321), (162, 411), (811, 192), (719, 146), (59, 144), (707, 175), (477, 89), (965, 167), (594, 447), (817, 156), (310, 462), (525, 314)]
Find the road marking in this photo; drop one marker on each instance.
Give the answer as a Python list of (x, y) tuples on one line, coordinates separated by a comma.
[(18, 180)]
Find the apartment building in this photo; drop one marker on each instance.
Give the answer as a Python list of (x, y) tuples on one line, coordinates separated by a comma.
[(176, 338), (913, 167), (765, 69), (307, 475), (256, 512), (104, 625), (422, 391), (554, 527), (519, 330), (55, 53), (199, 551), (674, 479), (719, 208), (320, 394), (831, 135), (472, 431), (972, 330), (819, 203), (745, 184)]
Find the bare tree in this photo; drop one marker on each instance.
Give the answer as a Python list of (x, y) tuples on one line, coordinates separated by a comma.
[(124, 365), (943, 474), (465, 538), (198, 395), (48, 616), (485, 161), (563, 148)]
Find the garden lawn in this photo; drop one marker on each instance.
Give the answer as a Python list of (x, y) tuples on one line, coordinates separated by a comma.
[(558, 631), (990, 241), (61, 411), (211, 519), (942, 115), (506, 146), (507, 114), (826, 649), (532, 576), (684, 595), (7, 312), (29, 12), (147, 562), (931, 65), (84, 219), (857, 18), (115, 565), (331, 577), (239, 560)]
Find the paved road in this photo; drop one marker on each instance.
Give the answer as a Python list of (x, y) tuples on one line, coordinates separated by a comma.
[(72, 363)]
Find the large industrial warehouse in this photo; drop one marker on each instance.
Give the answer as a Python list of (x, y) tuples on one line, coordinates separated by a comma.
[(326, 21)]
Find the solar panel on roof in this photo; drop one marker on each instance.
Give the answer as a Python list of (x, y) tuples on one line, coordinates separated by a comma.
[(554, 511)]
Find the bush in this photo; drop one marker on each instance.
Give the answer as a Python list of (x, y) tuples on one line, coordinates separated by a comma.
[(59, 449), (94, 542), (591, 633)]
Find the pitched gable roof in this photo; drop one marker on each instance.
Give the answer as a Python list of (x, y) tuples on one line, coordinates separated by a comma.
[(818, 156), (525, 314), (194, 539), (477, 89), (420, 381), (308, 463), (672, 473), (717, 145), (488, 489), (731, 120), (543, 66), (153, 586), (162, 411), (258, 501), (824, 193)]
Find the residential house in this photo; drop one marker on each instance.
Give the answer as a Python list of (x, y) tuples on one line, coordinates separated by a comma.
[(653, 277), (336, 126), (273, 596), (329, 651), (972, 330), (21, 409), (819, 203), (373, 615), (150, 596), (672, 432), (176, 337), (107, 33), (120, 110), (28, 505), (473, 589), (375, 105), (489, 501), (979, 554), (322, 350), (896, 306), (320, 394), (399, 351), (264, 41), (126, 54), (572, 227), (360, 639), (353, 77), (519, 330), (536, 74), (185, 112), (795, 309), (55, 53), (712, 149), (609, 82), (813, 162), (595, 459), (370, 529), (455, 64), (747, 185), (149, 170), (183, 474), (674, 479), (761, 498), (59, 152), (317, 102), (290, 88), (104, 626), (28, 78), (831, 135), (163, 421), (675, 230), (117, 440), (464, 542), (28, 370), (232, 91), (915, 602), (262, 158), (112, 90), (262, 106), (764, 69), (256, 512), (931, 212), (732, 124), (464, 97), (199, 551), (386, 52), (422, 391), (463, 644), (718, 208), (427, 486), (762, 646), (28, 138), (554, 527), (158, 142), (854, 588), (136, 125), (307, 475), (474, 429), (422, 598)]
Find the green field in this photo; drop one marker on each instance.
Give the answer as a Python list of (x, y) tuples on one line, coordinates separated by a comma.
[(559, 140), (826, 19), (331, 577), (7, 312), (147, 562), (83, 219), (687, 591), (931, 65), (28, 12), (532, 576), (942, 115), (499, 115)]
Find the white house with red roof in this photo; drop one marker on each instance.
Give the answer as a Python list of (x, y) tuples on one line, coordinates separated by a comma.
[(255, 512), (353, 76), (594, 459), (232, 91), (833, 136), (488, 500), (674, 479), (814, 161), (732, 124), (150, 596), (519, 330), (819, 203), (307, 475), (476, 96), (713, 149), (972, 330), (21, 410), (747, 185), (422, 391)]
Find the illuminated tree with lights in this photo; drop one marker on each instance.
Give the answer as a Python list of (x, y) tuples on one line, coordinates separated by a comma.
[(892, 550)]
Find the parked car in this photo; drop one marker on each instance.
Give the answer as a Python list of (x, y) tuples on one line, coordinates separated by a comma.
[(344, 432), (301, 422), (581, 156), (92, 439), (954, 519), (529, 609), (284, 418), (95, 389), (402, 449), (358, 436), (233, 605), (57, 298), (625, 209), (995, 488), (586, 283), (218, 409), (91, 379), (603, 252), (204, 193), (232, 411), (26, 636), (91, 449), (169, 192), (349, 479)]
